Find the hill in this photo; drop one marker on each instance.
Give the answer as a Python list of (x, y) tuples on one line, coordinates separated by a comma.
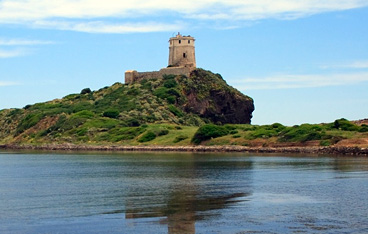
[(121, 113)]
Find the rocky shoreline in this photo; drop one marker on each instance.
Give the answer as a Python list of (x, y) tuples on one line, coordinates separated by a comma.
[(329, 150)]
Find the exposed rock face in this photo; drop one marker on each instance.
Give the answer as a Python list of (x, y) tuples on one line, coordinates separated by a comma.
[(210, 97)]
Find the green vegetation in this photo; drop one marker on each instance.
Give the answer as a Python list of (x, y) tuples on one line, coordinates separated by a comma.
[(86, 90), (111, 114), (148, 136), (159, 111), (209, 131)]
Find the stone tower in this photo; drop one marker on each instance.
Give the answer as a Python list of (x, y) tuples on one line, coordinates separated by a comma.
[(181, 51)]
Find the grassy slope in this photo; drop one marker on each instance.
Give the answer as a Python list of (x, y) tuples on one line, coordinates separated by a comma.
[(150, 113)]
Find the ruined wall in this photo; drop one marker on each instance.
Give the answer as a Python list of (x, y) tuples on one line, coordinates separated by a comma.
[(134, 76)]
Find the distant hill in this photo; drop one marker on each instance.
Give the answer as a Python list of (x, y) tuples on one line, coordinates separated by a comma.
[(120, 112)]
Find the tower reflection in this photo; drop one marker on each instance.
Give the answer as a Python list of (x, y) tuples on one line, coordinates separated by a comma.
[(179, 193)]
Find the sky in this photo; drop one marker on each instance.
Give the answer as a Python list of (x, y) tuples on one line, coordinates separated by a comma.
[(302, 61)]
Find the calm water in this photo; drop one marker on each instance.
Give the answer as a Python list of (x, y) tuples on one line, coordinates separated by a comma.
[(181, 193)]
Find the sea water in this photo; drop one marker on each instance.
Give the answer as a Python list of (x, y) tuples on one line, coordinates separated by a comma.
[(181, 193)]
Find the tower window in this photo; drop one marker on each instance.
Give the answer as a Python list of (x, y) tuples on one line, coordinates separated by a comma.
[(179, 41), (184, 55), (188, 41)]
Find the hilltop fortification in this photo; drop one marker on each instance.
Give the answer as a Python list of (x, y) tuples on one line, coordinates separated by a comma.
[(181, 61)]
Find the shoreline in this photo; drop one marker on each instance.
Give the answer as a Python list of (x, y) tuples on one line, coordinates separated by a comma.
[(331, 150)]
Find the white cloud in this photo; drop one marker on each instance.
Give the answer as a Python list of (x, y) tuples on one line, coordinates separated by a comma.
[(300, 81), (22, 42), (358, 64), (8, 83), (104, 27), (83, 15), (12, 53), (361, 64)]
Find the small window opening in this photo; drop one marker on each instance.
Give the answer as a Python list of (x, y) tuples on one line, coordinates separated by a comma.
[(179, 41), (184, 55), (188, 41)]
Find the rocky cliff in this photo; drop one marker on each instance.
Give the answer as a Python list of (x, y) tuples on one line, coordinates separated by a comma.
[(210, 97)]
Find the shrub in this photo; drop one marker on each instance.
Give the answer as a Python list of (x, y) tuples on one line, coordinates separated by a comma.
[(325, 143), (82, 131), (160, 92), (180, 138), (111, 114), (124, 133), (85, 91), (163, 132), (168, 77), (80, 106), (302, 133), (133, 122), (146, 84), (170, 83), (232, 132), (133, 92), (84, 114), (29, 121), (363, 128), (345, 125), (175, 111), (169, 94), (14, 112), (209, 131), (101, 123), (70, 123), (148, 136), (278, 126), (262, 133)]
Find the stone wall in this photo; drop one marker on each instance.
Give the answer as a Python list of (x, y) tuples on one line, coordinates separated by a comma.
[(133, 76)]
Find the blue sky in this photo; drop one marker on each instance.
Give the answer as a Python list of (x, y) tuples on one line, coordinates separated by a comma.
[(302, 61)]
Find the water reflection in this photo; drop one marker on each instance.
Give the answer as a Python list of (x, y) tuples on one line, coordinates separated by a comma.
[(181, 192)]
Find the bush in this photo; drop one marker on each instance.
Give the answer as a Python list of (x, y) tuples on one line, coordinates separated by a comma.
[(363, 128), (133, 122), (262, 133), (85, 91), (345, 125), (170, 83), (180, 138), (209, 131), (29, 121), (101, 123), (80, 106), (148, 136), (175, 111), (232, 132), (124, 133), (111, 114), (168, 77), (169, 94), (84, 114), (163, 132), (302, 133)]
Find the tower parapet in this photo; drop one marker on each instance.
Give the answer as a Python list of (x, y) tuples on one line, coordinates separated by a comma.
[(182, 51)]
